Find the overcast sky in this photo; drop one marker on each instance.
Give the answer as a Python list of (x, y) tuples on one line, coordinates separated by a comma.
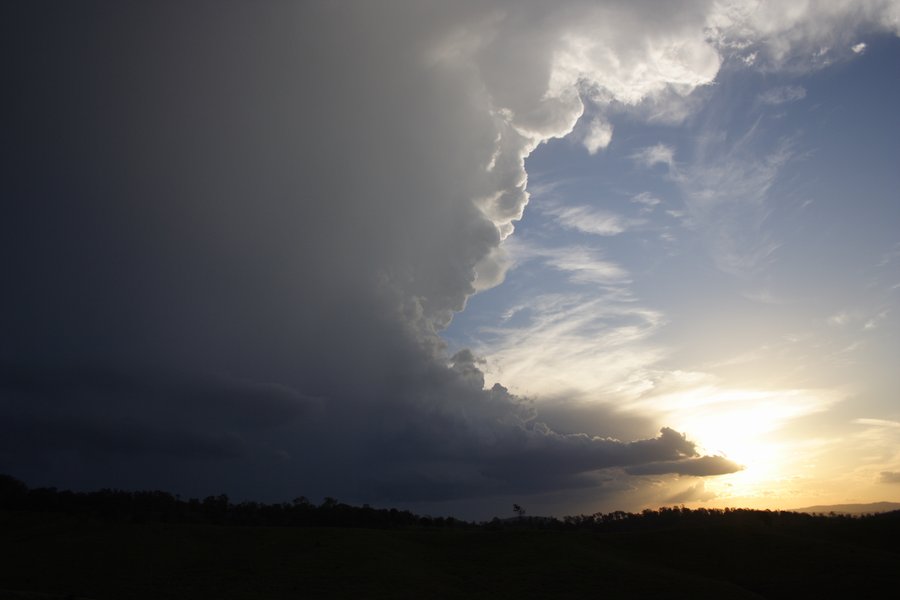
[(448, 256)]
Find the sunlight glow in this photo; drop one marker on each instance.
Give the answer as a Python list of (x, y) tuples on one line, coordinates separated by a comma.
[(742, 425)]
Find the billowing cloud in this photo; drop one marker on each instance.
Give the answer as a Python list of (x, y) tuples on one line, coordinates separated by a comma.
[(659, 154), (598, 135), (795, 34), (238, 231)]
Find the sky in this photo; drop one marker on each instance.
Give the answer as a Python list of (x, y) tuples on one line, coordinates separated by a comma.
[(580, 256)]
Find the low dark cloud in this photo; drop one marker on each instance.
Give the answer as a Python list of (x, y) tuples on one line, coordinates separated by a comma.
[(697, 466), (164, 430), (889, 477)]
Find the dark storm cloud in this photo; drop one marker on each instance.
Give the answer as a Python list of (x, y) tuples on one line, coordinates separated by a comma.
[(700, 466), (230, 233), (52, 418)]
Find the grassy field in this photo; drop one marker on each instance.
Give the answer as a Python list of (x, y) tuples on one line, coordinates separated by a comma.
[(61, 556)]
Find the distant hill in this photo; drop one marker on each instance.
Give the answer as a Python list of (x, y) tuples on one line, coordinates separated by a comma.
[(851, 509)]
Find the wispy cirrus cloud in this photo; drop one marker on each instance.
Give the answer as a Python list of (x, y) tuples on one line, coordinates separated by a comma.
[(591, 220), (582, 264), (782, 94), (646, 199), (882, 423), (587, 346), (726, 191)]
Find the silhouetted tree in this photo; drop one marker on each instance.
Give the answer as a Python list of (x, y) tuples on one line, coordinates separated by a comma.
[(13, 492)]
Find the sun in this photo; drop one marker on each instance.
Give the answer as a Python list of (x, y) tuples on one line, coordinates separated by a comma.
[(744, 426)]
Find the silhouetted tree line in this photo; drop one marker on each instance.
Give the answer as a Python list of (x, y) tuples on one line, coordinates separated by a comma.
[(680, 516), (164, 507), (880, 530), (156, 506)]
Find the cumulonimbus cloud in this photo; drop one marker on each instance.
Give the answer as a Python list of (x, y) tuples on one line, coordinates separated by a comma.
[(239, 230)]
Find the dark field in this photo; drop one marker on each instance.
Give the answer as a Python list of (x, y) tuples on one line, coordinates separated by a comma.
[(56, 555)]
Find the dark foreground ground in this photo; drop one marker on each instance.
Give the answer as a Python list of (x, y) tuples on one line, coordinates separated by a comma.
[(55, 555)]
